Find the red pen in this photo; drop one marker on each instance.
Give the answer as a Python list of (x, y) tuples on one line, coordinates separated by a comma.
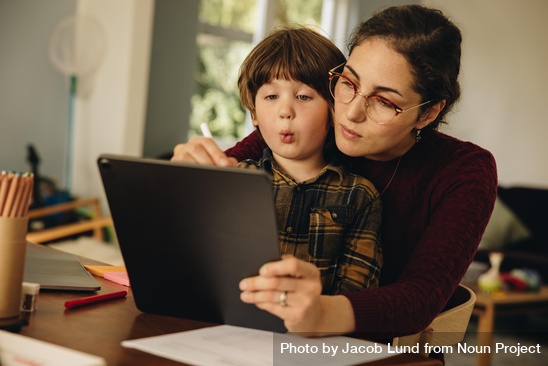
[(94, 299)]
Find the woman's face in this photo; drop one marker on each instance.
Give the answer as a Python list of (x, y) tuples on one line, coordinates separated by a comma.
[(377, 69)]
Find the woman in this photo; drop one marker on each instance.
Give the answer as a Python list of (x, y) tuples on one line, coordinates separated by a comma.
[(438, 193)]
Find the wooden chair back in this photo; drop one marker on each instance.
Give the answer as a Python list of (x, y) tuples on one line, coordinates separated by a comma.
[(449, 327), (96, 222)]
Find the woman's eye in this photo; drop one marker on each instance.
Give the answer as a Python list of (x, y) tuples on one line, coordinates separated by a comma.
[(347, 84), (384, 103), (303, 97)]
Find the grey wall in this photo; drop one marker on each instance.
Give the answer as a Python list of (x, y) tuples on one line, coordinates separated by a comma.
[(171, 83), (33, 95)]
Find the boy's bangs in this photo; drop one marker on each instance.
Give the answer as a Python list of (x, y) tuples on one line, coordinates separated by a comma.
[(280, 67), (289, 60)]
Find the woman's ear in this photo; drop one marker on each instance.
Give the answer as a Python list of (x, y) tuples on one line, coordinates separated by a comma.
[(430, 115)]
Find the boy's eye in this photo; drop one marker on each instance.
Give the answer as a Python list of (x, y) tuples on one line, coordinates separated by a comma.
[(303, 97), (271, 97)]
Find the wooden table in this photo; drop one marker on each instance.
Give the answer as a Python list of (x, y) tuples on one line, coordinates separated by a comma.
[(487, 307), (100, 328)]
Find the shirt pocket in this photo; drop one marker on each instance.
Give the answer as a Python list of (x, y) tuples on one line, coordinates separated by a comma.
[(326, 232)]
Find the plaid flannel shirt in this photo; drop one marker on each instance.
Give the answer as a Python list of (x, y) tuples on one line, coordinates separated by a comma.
[(332, 220)]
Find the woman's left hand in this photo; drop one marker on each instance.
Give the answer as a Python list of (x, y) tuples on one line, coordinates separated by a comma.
[(291, 289)]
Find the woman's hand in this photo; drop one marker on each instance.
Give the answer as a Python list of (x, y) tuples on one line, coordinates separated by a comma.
[(291, 289), (202, 150)]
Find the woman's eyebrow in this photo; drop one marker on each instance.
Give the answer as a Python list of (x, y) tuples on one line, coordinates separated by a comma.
[(376, 87), (352, 71), (387, 89)]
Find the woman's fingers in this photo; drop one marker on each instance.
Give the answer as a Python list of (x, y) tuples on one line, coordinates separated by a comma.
[(290, 266), (289, 274), (269, 296), (287, 288), (291, 289), (263, 283)]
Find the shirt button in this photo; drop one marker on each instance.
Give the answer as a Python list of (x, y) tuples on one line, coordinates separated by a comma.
[(289, 230), (334, 215)]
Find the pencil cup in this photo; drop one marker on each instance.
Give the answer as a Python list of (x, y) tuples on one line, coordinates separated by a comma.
[(13, 244)]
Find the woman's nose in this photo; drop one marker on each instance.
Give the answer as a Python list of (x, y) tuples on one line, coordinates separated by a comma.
[(356, 110)]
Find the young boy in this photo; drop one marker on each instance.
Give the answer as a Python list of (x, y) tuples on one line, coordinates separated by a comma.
[(325, 215)]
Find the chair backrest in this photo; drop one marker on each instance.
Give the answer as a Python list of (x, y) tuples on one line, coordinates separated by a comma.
[(96, 222), (449, 327)]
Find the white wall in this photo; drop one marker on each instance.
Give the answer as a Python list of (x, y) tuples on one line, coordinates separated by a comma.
[(504, 80), (504, 83), (112, 118)]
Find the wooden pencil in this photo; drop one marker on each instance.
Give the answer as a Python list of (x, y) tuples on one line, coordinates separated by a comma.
[(29, 195), (26, 186), (4, 190), (18, 196)]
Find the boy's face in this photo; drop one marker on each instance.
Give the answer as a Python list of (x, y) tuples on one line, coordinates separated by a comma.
[(292, 118)]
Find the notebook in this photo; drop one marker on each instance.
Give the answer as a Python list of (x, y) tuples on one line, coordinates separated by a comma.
[(189, 234), (56, 270)]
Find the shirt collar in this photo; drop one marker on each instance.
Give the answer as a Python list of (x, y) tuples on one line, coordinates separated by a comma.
[(268, 164)]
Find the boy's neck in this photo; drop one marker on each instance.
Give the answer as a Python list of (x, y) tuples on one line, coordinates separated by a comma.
[(301, 169)]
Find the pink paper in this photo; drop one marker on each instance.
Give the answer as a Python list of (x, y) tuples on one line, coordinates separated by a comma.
[(118, 277)]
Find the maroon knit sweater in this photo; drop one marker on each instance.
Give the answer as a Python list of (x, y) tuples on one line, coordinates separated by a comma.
[(435, 211)]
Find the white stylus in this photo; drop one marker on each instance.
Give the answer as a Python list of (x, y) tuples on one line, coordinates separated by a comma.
[(205, 130)]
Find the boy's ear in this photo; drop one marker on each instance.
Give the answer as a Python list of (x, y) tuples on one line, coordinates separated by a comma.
[(255, 122), (430, 115)]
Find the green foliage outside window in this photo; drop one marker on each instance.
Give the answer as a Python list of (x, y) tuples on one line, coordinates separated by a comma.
[(216, 100)]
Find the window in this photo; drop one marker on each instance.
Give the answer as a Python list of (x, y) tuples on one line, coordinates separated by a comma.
[(228, 28)]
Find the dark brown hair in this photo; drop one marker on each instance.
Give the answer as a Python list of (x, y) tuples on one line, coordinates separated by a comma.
[(297, 53), (431, 44)]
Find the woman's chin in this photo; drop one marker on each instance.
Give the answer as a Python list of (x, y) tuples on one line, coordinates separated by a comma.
[(350, 148)]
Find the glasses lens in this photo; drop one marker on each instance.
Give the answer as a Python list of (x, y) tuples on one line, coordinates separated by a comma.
[(342, 89), (380, 110)]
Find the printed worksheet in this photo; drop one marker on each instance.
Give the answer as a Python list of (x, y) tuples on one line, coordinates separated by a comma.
[(229, 345)]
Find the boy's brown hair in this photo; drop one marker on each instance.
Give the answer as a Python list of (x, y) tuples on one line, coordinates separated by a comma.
[(297, 53)]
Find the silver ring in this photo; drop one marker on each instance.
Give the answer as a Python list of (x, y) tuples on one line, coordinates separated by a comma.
[(283, 299)]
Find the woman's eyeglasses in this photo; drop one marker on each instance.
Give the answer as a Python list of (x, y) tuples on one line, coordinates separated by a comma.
[(379, 109)]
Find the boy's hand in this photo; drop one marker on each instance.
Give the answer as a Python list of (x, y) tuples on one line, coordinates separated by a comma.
[(202, 150)]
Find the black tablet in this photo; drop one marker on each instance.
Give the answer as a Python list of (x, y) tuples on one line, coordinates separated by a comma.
[(190, 233)]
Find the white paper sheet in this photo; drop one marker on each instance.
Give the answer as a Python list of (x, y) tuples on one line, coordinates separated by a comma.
[(229, 345), (18, 350)]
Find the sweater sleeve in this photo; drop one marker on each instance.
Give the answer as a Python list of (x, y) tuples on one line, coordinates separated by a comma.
[(251, 147), (460, 203)]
